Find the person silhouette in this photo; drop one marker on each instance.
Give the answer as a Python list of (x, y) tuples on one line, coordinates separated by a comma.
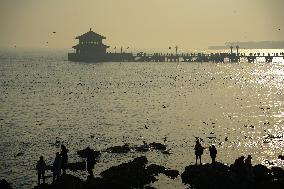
[(198, 151), (239, 167), (40, 167), (64, 158), (249, 169), (213, 152), (90, 162), (56, 166)]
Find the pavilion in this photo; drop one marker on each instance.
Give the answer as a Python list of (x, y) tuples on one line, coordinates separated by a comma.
[(90, 48)]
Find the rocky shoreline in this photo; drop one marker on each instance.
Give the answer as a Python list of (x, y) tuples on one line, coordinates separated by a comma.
[(139, 174)]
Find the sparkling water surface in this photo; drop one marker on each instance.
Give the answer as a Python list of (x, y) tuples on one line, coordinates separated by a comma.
[(44, 99)]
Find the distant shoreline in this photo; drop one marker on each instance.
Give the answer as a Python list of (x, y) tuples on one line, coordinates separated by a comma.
[(251, 45)]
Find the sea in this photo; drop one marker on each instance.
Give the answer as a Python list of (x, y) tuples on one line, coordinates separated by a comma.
[(46, 101)]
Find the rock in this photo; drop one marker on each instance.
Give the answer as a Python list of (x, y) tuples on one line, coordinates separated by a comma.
[(119, 149), (142, 148), (129, 175), (77, 166), (67, 181), (209, 176), (281, 157), (261, 173), (19, 154), (158, 146), (167, 152), (83, 153), (277, 172), (155, 169), (238, 175), (171, 173), (4, 184)]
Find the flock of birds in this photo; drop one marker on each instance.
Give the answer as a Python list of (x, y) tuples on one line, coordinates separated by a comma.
[(54, 32)]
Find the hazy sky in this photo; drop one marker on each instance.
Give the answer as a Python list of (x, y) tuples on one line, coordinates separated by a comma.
[(140, 23)]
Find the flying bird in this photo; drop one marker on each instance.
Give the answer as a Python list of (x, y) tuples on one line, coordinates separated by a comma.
[(54, 32)]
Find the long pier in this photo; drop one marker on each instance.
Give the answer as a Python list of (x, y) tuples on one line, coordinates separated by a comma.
[(91, 49), (192, 57)]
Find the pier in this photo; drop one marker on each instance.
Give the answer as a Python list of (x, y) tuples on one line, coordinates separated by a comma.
[(92, 49), (191, 57), (186, 57)]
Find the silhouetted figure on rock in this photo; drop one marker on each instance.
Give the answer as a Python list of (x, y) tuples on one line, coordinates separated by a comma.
[(198, 151), (56, 167), (90, 162), (40, 167), (239, 167), (213, 153), (249, 169), (64, 158)]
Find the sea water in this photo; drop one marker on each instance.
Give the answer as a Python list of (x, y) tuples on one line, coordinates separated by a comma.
[(46, 101)]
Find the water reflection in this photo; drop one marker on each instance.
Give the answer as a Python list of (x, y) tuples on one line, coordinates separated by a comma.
[(238, 107)]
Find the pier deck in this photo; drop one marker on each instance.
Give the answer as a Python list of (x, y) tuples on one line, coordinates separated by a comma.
[(183, 57), (197, 57)]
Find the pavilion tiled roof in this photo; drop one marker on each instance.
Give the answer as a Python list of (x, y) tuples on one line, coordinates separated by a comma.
[(78, 46), (90, 35)]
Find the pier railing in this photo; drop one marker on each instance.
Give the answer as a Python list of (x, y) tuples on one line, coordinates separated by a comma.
[(182, 57)]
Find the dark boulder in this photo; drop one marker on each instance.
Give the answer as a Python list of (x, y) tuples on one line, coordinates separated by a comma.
[(209, 176), (158, 146), (129, 175), (4, 184), (281, 157), (67, 181), (171, 173), (278, 173), (154, 169), (119, 149), (262, 173), (83, 153), (142, 148), (158, 169), (77, 166)]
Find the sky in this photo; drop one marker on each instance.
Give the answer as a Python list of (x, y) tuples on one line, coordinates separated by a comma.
[(153, 24)]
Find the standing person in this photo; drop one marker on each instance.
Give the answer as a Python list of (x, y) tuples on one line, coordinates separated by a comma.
[(213, 152), (198, 151), (64, 158), (90, 162), (249, 169), (40, 167), (56, 166)]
